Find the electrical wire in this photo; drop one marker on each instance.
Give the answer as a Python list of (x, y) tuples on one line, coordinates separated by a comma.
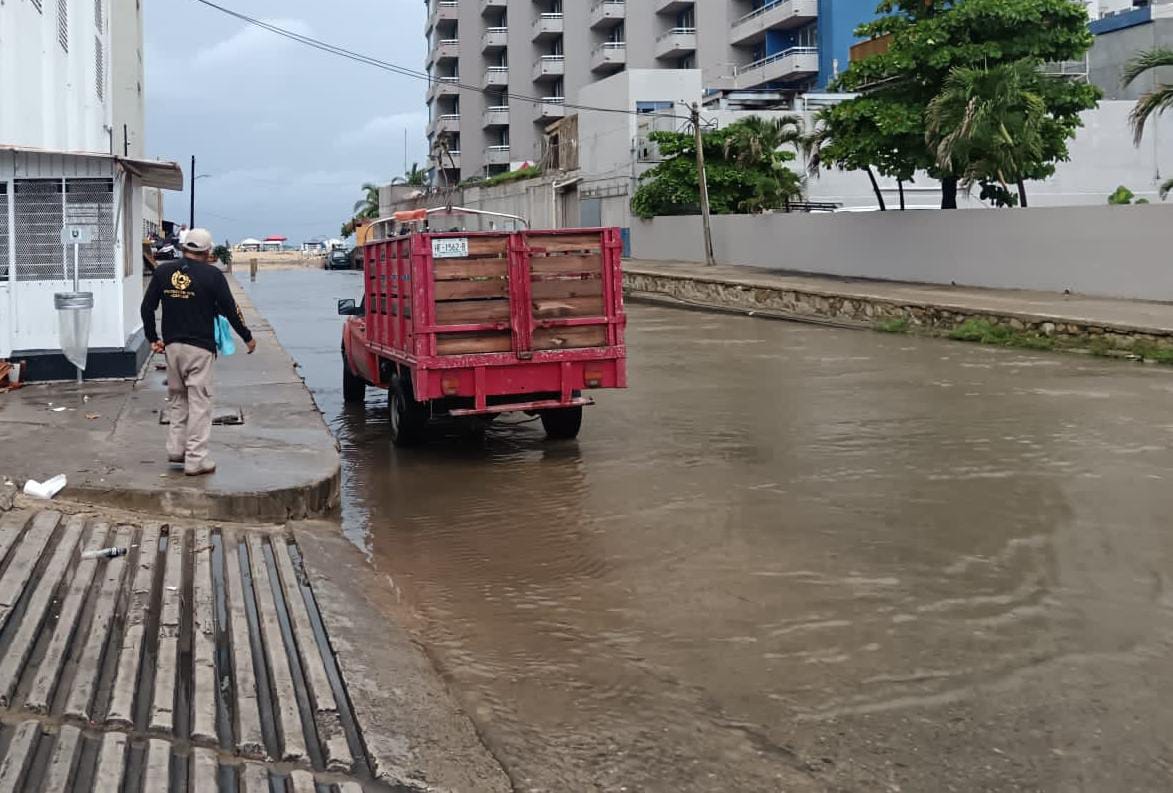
[(403, 71)]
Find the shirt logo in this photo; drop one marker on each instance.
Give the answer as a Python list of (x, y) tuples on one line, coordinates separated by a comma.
[(180, 280)]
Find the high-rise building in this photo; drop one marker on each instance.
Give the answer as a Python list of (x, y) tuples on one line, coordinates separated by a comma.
[(505, 69)]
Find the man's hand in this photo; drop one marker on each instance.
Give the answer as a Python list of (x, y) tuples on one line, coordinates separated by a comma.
[(157, 346), (252, 346)]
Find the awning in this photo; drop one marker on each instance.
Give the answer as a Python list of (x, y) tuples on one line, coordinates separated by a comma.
[(153, 173)]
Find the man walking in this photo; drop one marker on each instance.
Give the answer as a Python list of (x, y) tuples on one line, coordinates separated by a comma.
[(193, 291)]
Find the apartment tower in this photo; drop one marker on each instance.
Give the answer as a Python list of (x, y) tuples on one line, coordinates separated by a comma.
[(505, 69)]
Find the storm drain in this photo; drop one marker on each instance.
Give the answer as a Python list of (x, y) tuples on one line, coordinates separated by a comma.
[(196, 662)]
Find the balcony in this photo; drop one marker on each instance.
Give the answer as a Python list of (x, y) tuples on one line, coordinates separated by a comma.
[(672, 6), (675, 43), (497, 77), (495, 116), (610, 56), (450, 161), (443, 11), (778, 15), (444, 50), (791, 64), (549, 67), (548, 26), (495, 40), (497, 155), (493, 6), (552, 108), (606, 14), (443, 86), (447, 124)]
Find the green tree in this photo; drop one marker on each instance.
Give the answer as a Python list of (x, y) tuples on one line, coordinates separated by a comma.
[(1157, 100), (745, 167), (926, 40), (415, 177), (367, 208), (986, 126)]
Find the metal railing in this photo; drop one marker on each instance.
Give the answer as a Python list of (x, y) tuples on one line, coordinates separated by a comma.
[(757, 12), (610, 45), (749, 67), (676, 32)]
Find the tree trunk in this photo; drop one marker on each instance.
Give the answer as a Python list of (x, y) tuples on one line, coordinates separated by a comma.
[(949, 192), (1021, 193), (876, 188), (900, 184)]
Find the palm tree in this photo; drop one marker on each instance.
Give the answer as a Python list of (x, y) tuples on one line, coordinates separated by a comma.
[(986, 124), (1159, 99), (754, 139), (368, 207), (415, 177)]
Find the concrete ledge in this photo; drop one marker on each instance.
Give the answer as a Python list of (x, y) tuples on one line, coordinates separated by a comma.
[(281, 464), (1070, 322)]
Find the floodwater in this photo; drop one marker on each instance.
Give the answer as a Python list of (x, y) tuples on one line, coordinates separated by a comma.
[(788, 558)]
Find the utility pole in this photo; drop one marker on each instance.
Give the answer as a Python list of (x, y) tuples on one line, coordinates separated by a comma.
[(191, 217), (703, 181)]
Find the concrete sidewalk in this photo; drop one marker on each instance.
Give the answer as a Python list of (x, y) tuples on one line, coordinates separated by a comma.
[(280, 463), (926, 307)]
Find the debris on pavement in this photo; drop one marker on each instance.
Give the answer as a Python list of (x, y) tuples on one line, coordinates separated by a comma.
[(46, 489), (105, 553), (8, 491)]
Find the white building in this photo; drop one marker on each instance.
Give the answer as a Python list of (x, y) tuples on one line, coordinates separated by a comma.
[(71, 148)]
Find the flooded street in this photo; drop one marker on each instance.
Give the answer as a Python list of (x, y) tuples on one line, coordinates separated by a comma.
[(788, 558)]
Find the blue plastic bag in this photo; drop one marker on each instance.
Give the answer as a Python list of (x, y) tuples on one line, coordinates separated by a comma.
[(224, 343)]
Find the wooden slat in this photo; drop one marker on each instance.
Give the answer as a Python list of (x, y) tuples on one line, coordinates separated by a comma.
[(485, 246), (570, 338), (579, 287), (463, 269), (566, 242), (473, 343), (463, 312), (566, 265), (553, 308), (462, 290)]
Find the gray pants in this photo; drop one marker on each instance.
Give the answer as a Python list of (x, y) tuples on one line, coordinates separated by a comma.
[(189, 390)]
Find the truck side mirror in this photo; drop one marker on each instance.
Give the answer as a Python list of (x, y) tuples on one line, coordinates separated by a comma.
[(349, 308)]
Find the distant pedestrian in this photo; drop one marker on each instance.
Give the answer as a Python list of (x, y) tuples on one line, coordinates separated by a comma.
[(193, 292)]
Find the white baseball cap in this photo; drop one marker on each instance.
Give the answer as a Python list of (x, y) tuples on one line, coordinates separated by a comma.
[(197, 241)]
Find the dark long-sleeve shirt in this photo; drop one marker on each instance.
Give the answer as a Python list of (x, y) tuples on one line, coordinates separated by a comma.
[(192, 294)]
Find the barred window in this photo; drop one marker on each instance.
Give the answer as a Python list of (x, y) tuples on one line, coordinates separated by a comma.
[(37, 5), (99, 68), (3, 231), (63, 24), (39, 211), (43, 207), (98, 21)]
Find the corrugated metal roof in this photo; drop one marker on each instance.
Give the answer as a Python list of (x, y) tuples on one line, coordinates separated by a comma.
[(29, 161)]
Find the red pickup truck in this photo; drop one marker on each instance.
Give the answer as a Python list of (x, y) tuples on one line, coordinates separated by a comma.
[(473, 324)]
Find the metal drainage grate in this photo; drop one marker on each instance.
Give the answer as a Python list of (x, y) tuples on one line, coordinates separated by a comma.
[(198, 662)]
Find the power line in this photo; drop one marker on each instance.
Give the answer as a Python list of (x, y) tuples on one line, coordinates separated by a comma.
[(403, 71)]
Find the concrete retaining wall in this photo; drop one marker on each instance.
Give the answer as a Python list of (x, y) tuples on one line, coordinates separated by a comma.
[(1106, 251)]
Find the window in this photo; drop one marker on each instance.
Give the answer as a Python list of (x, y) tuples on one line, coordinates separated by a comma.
[(41, 207), (652, 107), (63, 24), (687, 62), (99, 68), (98, 21), (3, 231)]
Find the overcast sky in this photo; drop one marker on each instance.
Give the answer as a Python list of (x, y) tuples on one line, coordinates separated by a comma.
[(287, 133)]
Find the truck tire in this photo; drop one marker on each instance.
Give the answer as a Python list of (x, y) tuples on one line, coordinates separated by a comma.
[(408, 417), (354, 388), (562, 424)]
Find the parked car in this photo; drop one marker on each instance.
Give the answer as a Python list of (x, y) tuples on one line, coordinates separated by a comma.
[(338, 260), (472, 324)]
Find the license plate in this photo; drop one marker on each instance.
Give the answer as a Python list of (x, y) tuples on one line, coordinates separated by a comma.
[(450, 248)]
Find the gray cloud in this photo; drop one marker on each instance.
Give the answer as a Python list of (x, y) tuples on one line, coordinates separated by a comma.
[(287, 133)]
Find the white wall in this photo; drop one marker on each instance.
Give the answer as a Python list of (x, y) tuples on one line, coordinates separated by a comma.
[(126, 78), (1108, 251), (49, 98)]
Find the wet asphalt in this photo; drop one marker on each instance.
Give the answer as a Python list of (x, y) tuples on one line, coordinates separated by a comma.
[(787, 558)]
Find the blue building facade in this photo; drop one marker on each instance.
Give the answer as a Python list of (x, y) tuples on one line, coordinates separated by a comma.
[(832, 34)]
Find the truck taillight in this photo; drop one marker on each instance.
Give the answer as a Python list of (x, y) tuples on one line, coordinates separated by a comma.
[(593, 378), (451, 386)]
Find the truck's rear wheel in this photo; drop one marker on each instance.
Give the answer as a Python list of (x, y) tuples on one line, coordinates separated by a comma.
[(562, 424), (354, 388), (408, 417)]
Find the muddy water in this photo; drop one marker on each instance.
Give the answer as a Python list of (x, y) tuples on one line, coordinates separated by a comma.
[(789, 558)]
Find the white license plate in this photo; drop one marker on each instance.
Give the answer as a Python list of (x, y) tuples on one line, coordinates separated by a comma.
[(450, 248)]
